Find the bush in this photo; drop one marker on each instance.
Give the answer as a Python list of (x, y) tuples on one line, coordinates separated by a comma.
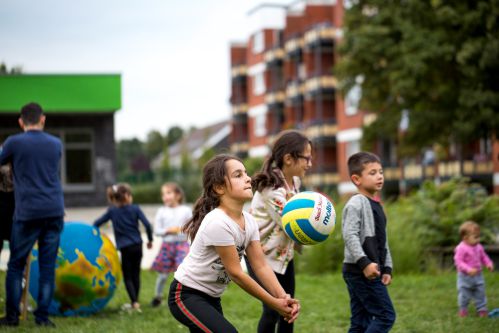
[(429, 219), (326, 256), (149, 193)]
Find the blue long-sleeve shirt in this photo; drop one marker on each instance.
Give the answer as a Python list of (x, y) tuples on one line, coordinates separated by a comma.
[(125, 221), (35, 157)]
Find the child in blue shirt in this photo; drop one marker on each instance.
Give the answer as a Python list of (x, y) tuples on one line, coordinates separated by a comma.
[(125, 218)]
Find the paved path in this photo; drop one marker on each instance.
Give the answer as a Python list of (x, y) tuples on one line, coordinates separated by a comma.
[(88, 215)]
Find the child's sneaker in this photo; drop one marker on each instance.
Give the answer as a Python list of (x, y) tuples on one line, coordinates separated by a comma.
[(136, 307), (463, 313), (156, 301), (483, 313)]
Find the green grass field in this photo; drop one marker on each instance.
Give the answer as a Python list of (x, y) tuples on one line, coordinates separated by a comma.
[(424, 303)]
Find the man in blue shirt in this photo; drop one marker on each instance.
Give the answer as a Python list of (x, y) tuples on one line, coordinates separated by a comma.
[(35, 158)]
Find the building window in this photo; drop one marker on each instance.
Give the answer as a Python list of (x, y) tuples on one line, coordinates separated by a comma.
[(258, 42), (260, 125), (258, 83), (352, 147), (77, 164)]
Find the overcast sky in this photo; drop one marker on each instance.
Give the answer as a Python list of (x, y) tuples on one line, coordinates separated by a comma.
[(173, 55)]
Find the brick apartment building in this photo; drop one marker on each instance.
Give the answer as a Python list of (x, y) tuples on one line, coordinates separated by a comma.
[(283, 77)]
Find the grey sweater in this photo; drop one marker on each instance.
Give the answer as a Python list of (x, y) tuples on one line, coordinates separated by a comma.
[(359, 235)]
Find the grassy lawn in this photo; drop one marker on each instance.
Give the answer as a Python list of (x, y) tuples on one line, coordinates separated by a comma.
[(424, 303)]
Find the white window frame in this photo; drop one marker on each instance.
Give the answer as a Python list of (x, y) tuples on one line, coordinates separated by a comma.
[(260, 128), (259, 83), (258, 42)]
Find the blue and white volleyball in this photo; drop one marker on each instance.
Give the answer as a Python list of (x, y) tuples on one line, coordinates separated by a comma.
[(308, 218)]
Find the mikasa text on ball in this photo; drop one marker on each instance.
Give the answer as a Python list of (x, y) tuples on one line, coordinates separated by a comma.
[(308, 218)]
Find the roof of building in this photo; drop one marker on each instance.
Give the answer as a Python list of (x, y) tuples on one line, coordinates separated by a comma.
[(196, 142), (61, 93)]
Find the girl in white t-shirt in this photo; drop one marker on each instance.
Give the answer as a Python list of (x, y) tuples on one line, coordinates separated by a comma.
[(220, 233), (168, 223)]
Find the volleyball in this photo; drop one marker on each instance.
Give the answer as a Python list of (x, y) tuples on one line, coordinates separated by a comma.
[(308, 218)]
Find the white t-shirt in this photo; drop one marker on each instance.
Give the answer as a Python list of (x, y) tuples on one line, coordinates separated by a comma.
[(168, 217), (202, 269)]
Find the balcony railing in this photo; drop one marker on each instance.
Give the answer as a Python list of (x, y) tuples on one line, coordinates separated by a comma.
[(322, 179), (445, 169), (325, 82), (275, 97), (321, 130), (293, 45), (274, 55), (320, 33), (239, 109), (240, 70)]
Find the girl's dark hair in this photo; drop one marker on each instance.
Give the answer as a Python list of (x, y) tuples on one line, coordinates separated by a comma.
[(214, 174), (177, 189), (117, 194), (289, 142)]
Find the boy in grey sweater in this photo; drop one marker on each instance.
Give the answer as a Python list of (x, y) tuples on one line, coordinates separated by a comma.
[(367, 266)]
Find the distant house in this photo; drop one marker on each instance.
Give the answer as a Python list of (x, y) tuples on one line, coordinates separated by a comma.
[(80, 111), (196, 142)]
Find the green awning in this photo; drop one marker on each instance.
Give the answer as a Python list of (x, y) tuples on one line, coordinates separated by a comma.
[(61, 93)]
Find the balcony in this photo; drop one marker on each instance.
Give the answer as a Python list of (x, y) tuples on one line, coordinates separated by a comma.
[(321, 35), (322, 179), (294, 90), (239, 109), (238, 71), (274, 56), (276, 97), (293, 46), (315, 85), (445, 170), (321, 130)]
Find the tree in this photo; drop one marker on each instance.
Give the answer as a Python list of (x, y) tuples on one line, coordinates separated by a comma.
[(437, 59), (154, 145), (174, 134), (126, 151), (14, 70)]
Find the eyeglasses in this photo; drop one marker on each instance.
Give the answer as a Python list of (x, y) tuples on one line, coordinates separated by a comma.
[(307, 158)]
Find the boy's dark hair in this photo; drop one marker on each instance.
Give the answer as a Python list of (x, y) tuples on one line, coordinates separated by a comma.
[(175, 188), (356, 162), (31, 113), (116, 194), (289, 142), (214, 174)]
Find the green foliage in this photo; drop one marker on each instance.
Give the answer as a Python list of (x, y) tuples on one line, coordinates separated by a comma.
[(437, 59), (436, 212), (253, 165), (174, 134), (154, 144), (205, 157), (126, 151), (147, 193)]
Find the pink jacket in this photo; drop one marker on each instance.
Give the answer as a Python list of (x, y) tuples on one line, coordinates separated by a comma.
[(467, 257)]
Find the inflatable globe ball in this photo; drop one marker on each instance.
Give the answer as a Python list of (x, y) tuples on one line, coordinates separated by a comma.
[(308, 218), (87, 271)]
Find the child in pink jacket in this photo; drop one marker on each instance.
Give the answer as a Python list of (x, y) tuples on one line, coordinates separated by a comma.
[(469, 257)]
